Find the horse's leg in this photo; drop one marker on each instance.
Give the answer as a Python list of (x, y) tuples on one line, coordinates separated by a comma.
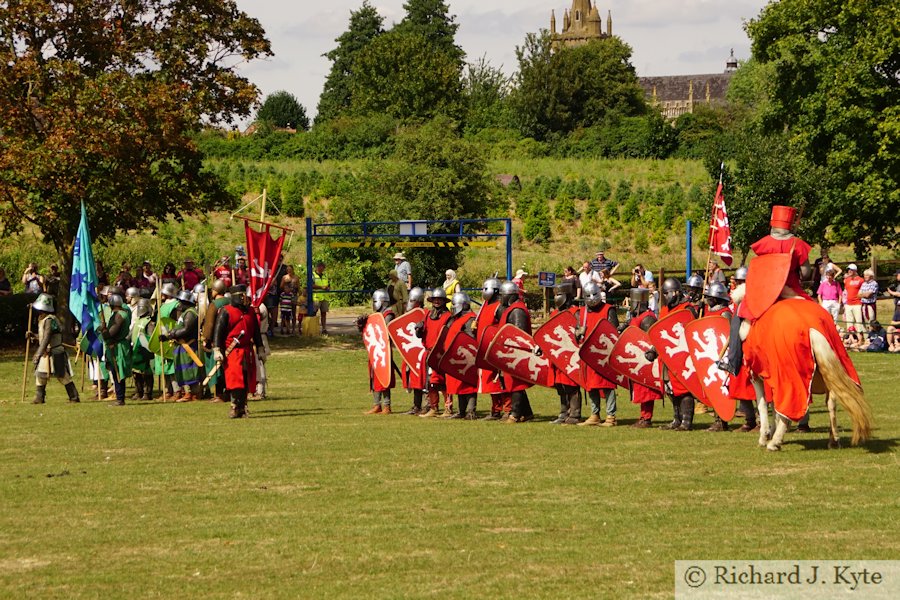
[(780, 430), (763, 412), (834, 440)]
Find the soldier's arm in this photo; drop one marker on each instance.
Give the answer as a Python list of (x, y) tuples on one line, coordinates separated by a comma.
[(220, 332), (43, 342), (647, 322), (519, 318), (613, 316), (188, 328), (257, 334), (115, 326)]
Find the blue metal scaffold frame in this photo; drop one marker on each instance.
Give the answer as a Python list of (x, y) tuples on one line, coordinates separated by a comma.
[(370, 235)]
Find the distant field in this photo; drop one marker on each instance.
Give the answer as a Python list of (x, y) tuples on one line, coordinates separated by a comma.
[(311, 499)]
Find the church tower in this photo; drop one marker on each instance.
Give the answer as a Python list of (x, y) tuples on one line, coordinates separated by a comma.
[(581, 24)]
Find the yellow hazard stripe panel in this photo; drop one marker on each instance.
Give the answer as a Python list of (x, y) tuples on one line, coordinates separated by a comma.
[(479, 244)]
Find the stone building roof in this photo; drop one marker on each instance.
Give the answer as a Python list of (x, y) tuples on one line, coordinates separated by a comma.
[(678, 87)]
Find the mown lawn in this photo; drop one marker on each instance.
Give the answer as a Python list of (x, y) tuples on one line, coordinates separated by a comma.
[(309, 498)]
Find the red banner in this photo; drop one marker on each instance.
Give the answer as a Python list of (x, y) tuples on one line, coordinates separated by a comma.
[(263, 253), (719, 229)]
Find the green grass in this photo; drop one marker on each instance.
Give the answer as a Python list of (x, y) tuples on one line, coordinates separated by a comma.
[(309, 498)]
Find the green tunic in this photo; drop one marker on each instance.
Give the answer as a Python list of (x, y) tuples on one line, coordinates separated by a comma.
[(118, 349)]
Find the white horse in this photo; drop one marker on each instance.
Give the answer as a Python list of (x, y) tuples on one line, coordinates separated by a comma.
[(818, 365)]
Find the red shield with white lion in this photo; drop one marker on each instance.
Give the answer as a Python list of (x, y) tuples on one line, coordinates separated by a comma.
[(403, 333), (378, 346), (628, 358), (556, 338), (459, 359), (512, 351), (597, 349), (667, 335), (707, 339)]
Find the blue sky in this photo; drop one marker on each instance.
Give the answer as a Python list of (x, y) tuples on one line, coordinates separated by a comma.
[(669, 37)]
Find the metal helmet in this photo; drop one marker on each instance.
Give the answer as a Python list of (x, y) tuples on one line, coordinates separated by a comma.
[(199, 289), (695, 282), (718, 291), (416, 298), (186, 297), (509, 293), (638, 295), (44, 303), (104, 291), (461, 303), (380, 300), (143, 307), (132, 294), (438, 294), (219, 287), (671, 291), (117, 289), (741, 274), (169, 289), (593, 295), (564, 295), (238, 295), (490, 289), (115, 300)]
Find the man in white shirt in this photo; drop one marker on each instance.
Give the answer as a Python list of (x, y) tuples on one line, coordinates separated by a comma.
[(587, 275)]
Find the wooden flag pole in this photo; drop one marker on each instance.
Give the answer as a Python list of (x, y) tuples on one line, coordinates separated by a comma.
[(27, 352)]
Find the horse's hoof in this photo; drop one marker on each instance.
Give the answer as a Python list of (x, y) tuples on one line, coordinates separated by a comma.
[(773, 447), (763, 442)]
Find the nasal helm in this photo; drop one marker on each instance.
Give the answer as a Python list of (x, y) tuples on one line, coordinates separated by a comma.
[(490, 289), (380, 300), (416, 297), (741, 274), (169, 289), (694, 287), (509, 293), (132, 294), (438, 297), (460, 303), (639, 298), (716, 294), (143, 307), (115, 300), (593, 295), (671, 291), (564, 295), (44, 303), (219, 288), (186, 297), (238, 295), (199, 290), (117, 289)]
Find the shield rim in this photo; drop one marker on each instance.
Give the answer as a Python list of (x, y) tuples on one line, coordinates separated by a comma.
[(379, 319)]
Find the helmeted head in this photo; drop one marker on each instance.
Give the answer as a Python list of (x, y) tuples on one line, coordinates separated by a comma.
[(509, 293), (186, 298), (694, 287), (115, 301), (116, 289), (199, 290), (238, 295), (44, 303), (671, 292), (593, 295), (490, 290), (565, 293), (380, 300), (132, 295), (716, 294), (639, 299), (438, 297), (143, 307), (169, 290), (783, 217), (460, 303), (219, 288), (104, 292), (741, 274), (416, 298)]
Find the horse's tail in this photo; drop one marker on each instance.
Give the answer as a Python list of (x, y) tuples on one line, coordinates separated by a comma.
[(847, 392)]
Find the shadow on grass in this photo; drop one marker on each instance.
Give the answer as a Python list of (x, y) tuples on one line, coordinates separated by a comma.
[(284, 412), (873, 446)]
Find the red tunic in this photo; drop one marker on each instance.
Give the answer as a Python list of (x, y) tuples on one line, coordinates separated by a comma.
[(510, 383), (454, 385), (799, 255), (433, 329), (641, 393), (678, 388), (489, 383), (556, 375), (240, 364), (779, 351), (592, 379)]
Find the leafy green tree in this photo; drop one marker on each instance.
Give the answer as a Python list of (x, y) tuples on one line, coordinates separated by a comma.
[(432, 20), (558, 91), (407, 77), (282, 109), (99, 102), (631, 212), (537, 225), (485, 90), (565, 210), (365, 25), (601, 190), (837, 93), (623, 192)]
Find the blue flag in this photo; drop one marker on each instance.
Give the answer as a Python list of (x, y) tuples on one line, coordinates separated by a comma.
[(83, 301)]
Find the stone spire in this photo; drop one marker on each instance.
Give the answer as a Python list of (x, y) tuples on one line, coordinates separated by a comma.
[(566, 21), (553, 22), (609, 23), (595, 24)]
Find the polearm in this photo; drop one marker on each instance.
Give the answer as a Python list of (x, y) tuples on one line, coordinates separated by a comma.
[(161, 381), (27, 352), (228, 351)]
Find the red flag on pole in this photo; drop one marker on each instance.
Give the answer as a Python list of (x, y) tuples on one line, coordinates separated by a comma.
[(263, 253), (719, 229)]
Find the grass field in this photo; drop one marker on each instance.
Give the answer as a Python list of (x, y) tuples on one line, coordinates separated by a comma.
[(310, 498)]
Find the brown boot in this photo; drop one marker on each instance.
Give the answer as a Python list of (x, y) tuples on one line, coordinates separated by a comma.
[(641, 424), (375, 410), (237, 411), (429, 414), (609, 422), (592, 421), (186, 397), (386, 410)]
